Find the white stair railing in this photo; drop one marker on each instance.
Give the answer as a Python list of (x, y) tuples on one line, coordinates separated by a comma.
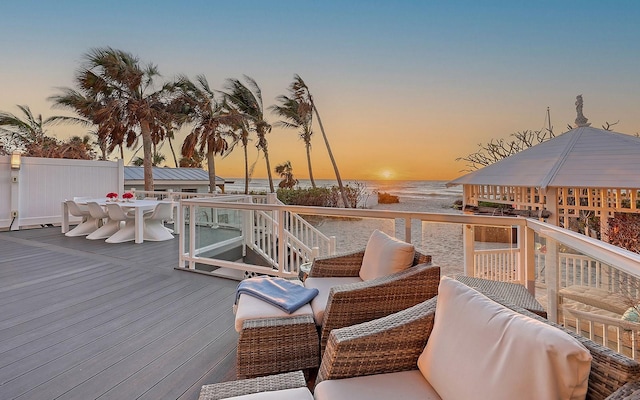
[(302, 242)]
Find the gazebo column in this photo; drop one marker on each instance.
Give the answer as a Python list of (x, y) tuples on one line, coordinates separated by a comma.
[(604, 226), (551, 258)]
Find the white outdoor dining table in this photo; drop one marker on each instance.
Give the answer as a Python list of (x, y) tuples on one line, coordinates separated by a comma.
[(139, 206)]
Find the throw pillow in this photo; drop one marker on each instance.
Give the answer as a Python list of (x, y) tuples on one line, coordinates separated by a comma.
[(497, 353), (385, 255)]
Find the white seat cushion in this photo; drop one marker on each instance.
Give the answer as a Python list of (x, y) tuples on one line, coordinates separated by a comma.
[(286, 394), (406, 385), (479, 349), (324, 285), (250, 307), (385, 255)]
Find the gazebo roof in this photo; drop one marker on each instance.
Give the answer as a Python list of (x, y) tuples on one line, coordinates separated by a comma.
[(581, 157)]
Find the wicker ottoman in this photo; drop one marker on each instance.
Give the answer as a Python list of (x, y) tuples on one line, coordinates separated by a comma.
[(274, 343)]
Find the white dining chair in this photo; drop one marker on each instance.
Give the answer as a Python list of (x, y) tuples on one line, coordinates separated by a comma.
[(88, 225), (154, 228), (108, 228), (126, 233)]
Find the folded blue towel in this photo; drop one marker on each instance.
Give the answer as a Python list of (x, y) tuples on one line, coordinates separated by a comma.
[(284, 294)]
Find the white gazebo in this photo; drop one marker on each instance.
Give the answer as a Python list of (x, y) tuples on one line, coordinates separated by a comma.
[(585, 173)]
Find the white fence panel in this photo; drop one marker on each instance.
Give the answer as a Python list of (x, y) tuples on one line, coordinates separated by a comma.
[(44, 183)]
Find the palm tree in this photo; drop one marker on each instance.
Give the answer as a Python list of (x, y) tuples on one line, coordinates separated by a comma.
[(21, 132), (285, 170), (211, 120), (126, 104), (87, 107), (239, 132), (297, 113), (248, 101), (301, 91)]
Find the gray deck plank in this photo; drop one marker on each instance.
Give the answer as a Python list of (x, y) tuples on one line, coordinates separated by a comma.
[(86, 319), (60, 327)]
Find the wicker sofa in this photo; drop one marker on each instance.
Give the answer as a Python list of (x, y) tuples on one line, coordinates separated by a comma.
[(395, 342), (279, 344)]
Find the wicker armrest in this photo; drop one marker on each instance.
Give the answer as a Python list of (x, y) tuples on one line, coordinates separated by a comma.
[(337, 266), (389, 344), (354, 303), (289, 380), (630, 391), (349, 264)]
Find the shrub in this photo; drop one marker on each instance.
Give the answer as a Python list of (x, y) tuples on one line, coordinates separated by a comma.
[(386, 198)]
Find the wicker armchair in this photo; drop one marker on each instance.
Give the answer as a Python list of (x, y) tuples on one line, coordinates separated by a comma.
[(394, 343), (268, 345), (354, 303)]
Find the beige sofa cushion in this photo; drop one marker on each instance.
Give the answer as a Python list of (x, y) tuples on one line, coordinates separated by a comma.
[(385, 255), (286, 394), (480, 349), (406, 385), (249, 307), (324, 285)]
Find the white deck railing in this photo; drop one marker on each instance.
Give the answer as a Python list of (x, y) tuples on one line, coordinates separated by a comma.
[(303, 241), (546, 256), (619, 335), (498, 265)]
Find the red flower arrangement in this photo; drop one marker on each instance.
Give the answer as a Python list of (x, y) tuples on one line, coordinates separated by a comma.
[(112, 195), (127, 196)]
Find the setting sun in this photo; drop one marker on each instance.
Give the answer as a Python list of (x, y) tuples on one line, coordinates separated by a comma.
[(386, 174)]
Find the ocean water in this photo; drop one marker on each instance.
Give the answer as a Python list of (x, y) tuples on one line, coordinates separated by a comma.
[(407, 190)]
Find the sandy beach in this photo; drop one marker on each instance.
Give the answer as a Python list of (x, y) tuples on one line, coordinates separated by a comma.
[(442, 241)]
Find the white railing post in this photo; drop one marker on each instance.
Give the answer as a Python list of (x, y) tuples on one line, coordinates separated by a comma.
[(192, 235), (282, 242), (468, 245), (526, 241), (315, 252), (551, 270), (407, 230), (332, 245), (248, 226)]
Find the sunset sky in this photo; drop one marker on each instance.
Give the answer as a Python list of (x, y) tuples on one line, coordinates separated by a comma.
[(403, 87)]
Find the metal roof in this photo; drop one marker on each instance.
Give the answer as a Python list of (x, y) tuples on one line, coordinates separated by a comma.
[(170, 174), (581, 157)]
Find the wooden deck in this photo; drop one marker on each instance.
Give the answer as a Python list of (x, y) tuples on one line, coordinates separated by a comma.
[(82, 319)]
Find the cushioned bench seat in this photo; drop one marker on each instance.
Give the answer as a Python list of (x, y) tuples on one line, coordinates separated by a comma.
[(600, 298), (405, 385)]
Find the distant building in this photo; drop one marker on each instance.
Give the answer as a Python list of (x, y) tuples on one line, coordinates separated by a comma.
[(193, 180)]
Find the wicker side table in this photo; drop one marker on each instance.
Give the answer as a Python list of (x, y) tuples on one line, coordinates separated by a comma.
[(274, 345), (512, 292)]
